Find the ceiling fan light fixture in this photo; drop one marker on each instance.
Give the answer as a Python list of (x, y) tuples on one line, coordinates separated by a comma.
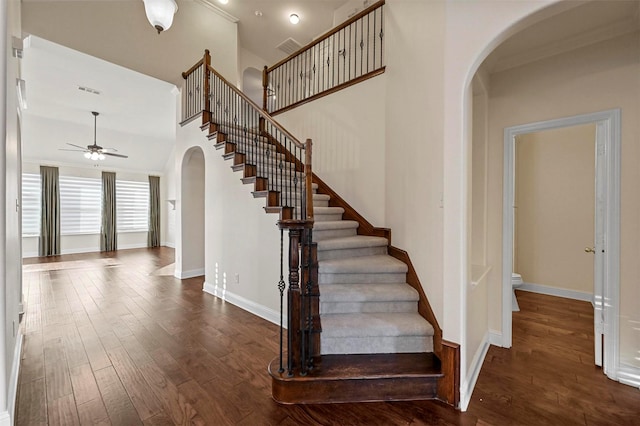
[(87, 155), (95, 156), (294, 18), (160, 13)]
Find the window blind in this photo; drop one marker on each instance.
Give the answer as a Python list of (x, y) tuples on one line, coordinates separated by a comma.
[(132, 206), (31, 195), (80, 205)]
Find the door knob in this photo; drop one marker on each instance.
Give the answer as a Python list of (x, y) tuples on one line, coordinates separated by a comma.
[(589, 250)]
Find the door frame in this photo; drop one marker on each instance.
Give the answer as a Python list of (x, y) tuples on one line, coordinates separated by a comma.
[(608, 129)]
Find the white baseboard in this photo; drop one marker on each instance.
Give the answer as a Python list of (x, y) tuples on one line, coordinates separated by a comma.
[(13, 383), (169, 244), (629, 375), (495, 338), (466, 388), (246, 304), (554, 291), (183, 275)]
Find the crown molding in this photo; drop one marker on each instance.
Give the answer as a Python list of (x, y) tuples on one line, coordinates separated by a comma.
[(209, 5)]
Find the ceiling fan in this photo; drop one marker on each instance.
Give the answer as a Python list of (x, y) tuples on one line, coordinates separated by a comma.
[(95, 152)]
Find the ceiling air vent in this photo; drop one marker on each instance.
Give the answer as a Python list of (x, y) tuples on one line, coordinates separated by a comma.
[(289, 46), (89, 90)]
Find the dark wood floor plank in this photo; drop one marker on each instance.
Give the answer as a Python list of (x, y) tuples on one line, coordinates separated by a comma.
[(58, 380), (32, 406), (93, 413), (136, 386), (84, 384), (119, 407), (62, 411)]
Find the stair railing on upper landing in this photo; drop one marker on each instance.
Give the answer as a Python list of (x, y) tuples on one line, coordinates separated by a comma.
[(348, 54), (279, 166)]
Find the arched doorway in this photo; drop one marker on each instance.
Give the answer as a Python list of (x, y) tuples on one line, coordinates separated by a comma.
[(190, 262)]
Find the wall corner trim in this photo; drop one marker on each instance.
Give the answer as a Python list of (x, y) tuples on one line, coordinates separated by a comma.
[(466, 388), (7, 417)]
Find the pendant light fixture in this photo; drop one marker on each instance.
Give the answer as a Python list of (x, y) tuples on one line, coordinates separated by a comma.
[(160, 13)]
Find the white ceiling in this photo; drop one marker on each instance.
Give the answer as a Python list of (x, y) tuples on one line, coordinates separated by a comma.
[(137, 112)]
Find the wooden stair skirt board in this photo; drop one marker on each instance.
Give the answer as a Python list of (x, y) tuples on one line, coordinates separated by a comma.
[(360, 378)]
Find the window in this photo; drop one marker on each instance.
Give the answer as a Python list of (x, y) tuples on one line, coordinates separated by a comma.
[(80, 205), (132, 206), (31, 195)]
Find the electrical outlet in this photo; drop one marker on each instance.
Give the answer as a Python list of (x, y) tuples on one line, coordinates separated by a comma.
[(237, 278)]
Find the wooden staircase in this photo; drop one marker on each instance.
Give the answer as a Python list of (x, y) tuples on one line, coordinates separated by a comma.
[(381, 340), (348, 377)]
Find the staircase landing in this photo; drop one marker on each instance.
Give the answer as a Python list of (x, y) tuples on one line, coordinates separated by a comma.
[(360, 378)]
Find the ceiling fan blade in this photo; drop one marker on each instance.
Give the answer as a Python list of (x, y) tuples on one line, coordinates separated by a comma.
[(74, 150), (84, 148), (105, 150), (115, 155)]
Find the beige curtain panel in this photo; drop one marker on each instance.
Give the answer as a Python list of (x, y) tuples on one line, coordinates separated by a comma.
[(50, 212), (108, 232), (153, 236)]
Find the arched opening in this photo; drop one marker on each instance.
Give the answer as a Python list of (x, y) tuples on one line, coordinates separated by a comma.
[(192, 209), (563, 66)]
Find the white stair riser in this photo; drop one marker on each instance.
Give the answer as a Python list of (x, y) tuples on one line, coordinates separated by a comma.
[(359, 278), (333, 233), (375, 344), (355, 307), (319, 217), (351, 252)]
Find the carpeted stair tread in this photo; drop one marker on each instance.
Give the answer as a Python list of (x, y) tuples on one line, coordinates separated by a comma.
[(355, 241), (363, 265), (368, 293), (375, 324)]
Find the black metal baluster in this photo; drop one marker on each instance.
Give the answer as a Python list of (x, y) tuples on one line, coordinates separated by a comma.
[(381, 35)]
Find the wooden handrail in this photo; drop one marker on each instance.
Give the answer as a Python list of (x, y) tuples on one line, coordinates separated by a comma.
[(328, 34), (259, 110), (206, 59)]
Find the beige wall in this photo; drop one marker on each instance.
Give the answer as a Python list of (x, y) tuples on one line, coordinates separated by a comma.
[(593, 78), (554, 207)]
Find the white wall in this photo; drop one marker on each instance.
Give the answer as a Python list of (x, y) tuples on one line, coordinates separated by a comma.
[(90, 243), (593, 78), (240, 238), (348, 133)]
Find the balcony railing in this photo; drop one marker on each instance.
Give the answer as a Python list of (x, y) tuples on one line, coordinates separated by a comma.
[(346, 55)]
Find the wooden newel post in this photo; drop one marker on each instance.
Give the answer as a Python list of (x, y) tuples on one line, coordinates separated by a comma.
[(206, 88), (293, 302), (265, 88)]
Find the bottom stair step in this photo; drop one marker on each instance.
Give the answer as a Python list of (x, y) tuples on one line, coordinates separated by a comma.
[(360, 378)]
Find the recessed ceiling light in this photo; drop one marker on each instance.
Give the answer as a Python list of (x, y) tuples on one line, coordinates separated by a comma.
[(294, 19), (223, 1), (258, 13)]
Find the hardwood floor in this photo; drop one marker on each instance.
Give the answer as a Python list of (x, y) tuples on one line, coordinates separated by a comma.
[(115, 339)]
